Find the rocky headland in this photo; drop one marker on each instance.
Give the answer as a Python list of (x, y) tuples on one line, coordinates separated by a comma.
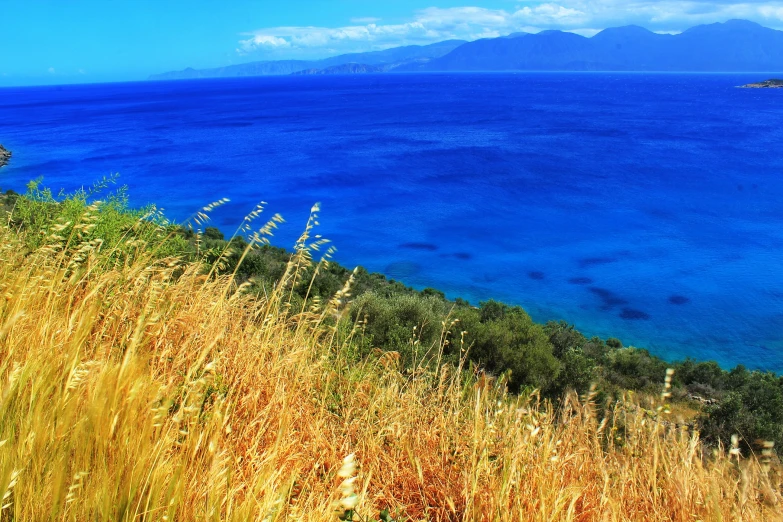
[(766, 84), (5, 156)]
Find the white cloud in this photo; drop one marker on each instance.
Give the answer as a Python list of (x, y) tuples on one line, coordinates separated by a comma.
[(51, 70), (585, 17), (772, 12)]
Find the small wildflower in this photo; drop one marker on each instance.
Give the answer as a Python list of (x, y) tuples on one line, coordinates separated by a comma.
[(346, 488), (735, 450), (350, 502), (349, 467), (348, 497)]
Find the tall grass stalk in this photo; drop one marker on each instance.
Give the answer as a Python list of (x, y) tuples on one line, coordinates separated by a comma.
[(136, 387)]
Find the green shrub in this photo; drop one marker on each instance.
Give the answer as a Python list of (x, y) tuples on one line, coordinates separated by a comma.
[(410, 324), (635, 369), (751, 408), (505, 339)]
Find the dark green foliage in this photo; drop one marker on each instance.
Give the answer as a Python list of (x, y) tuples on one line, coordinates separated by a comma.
[(752, 408), (580, 358), (408, 323), (579, 371), (751, 405), (564, 337), (460, 302), (494, 337), (505, 340), (700, 375), (213, 233), (636, 369), (434, 293)]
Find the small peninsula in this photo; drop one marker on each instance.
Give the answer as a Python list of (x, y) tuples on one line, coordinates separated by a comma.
[(766, 84), (5, 156)]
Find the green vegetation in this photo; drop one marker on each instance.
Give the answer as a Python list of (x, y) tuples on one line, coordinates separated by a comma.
[(425, 327), (154, 373)]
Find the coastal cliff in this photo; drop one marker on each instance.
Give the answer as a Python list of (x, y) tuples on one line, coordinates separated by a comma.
[(5, 156), (348, 68), (766, 84)]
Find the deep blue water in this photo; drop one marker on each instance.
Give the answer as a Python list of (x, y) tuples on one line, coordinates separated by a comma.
[(646, 207)]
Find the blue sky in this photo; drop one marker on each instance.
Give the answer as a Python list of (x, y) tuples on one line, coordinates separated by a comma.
[(65, 41)]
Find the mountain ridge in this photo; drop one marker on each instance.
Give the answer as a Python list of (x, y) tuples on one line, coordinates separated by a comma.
[(731, 46), (388, 59)]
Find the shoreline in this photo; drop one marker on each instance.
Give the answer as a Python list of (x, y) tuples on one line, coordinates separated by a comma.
[(5, 156), (661, 351)]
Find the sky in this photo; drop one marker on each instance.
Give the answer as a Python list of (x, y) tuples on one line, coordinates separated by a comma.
[(70, 41)]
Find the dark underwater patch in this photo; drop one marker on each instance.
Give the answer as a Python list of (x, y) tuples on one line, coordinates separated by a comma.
[(631, 314), (536, 275), (106, 157), (677, 299), (393, 140), (419, 246), (485, 278), (304, 129), (593, 261), (464, 256), (225, 124), (609, 299), (39, 167), (580, 281)]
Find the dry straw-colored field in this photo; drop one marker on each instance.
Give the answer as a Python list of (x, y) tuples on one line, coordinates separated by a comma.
[(136, 387)]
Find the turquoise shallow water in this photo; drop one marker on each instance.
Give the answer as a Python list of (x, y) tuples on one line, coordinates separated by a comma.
[(646, 207)]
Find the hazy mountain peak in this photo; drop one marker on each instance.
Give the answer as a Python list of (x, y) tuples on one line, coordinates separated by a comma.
[(626, 31), (736, 22), (729, 25)]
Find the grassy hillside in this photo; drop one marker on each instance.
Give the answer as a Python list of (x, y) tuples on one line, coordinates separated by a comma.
[(146, 374)]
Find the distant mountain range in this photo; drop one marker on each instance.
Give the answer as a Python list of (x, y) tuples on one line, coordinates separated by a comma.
[(382, 60), (733, 46)]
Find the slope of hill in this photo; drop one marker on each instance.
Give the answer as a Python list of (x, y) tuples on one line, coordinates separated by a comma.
[(389, 58), (736, 45), (348, 68), (140, 385)]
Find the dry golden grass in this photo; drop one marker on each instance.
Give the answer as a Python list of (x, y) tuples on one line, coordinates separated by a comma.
[(132, 394)]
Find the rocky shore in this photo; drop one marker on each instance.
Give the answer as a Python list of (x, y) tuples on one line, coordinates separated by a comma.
[(766, 84), (5, 156)]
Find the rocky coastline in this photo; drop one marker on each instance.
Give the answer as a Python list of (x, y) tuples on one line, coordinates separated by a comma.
[(348, 68), (766, 84), (5, 156)]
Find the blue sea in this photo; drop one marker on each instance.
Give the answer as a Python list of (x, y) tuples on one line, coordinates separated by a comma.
[(644, 207)]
